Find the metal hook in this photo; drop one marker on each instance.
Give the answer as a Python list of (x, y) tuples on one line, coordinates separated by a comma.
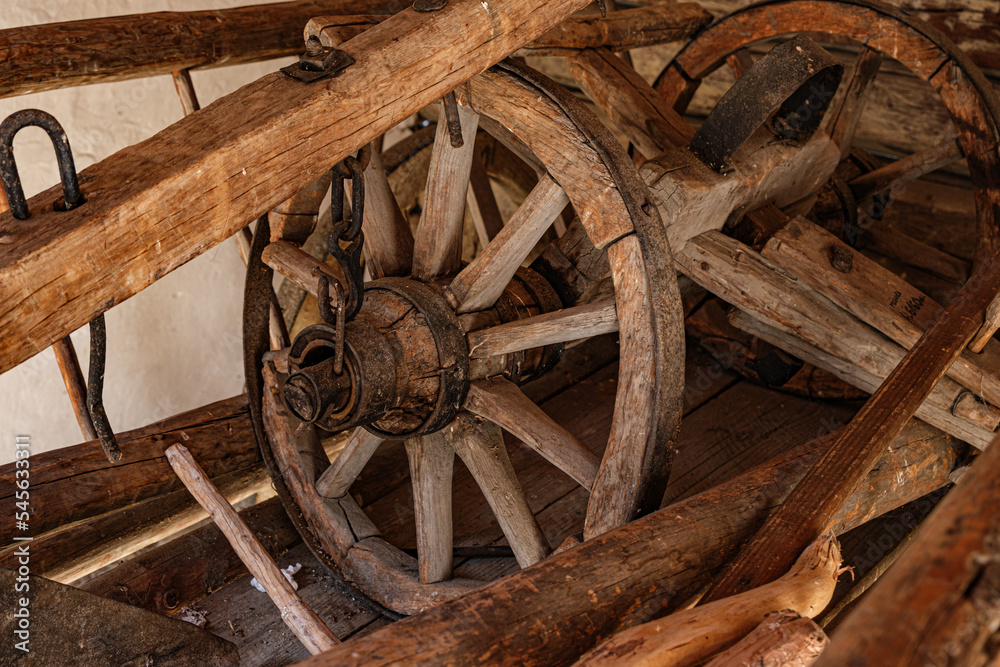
[(95, 390), (10, 180)]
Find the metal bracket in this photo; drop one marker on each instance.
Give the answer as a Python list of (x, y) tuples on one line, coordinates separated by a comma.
[(795, 83), (318, 62)]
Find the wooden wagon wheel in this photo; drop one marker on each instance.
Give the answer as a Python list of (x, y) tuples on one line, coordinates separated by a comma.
[(882, 31), (438, 349)]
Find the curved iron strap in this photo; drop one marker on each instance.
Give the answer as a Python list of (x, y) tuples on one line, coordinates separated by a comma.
[(9, 177), (795, 82)]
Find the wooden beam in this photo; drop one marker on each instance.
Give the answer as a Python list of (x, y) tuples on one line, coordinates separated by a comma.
[(74, 551), (555, 611), (874, 295), (74, 53), (78, 482), (810, 508), (152, 207), (938, 599)]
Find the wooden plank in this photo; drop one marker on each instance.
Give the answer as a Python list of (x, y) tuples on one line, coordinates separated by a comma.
[(938, 409), (437, 249), (481, 283), (73, 53), (874, 295), (78, 482), (621, 30), (240, 613), (735, 432), (156, 205), (76, 550), (553, 612), (431, 460), (501, 402), (66, 626), (186, 569), (752, 284), (939, 595), (307, 627), (812, 505)]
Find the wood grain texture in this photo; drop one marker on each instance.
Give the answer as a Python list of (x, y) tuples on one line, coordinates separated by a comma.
[(82, 548), (431, 460), (874, 295), (503, 403), (78, 482), (937, 410), (158, 204), (185, 570), (481, 283), (622, 30), (73, 53), (557, 610), (303, 621), (631, 103), (940, 592), (748, 281), (437, 249), (813, 503), (560, 326), (480, 445), (482, 204), (690, 636), (295, 264), (781, 640)]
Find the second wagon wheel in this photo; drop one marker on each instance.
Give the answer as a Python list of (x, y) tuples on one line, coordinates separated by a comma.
[(438, 349), (882, 32)]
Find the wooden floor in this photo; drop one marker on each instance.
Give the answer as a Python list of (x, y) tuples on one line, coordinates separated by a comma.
[(730, 425)]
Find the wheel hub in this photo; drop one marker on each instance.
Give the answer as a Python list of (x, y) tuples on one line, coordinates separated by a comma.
[(407, 366)]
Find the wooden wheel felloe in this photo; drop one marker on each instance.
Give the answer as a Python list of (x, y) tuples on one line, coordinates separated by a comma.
[(437, 352)]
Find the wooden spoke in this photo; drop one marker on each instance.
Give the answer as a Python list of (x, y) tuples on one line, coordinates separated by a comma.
[(297, 265), (337, 479), (438, 247), (907, 169), (480, 444), (483, 204), (501, 402), (431, 460), (482, 282), (76, 387), (276, 327), (844, 119), (630, 102), (388, 241), (561, 326)]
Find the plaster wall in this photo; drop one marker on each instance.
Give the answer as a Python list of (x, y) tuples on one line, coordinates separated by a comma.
[(176, 345)]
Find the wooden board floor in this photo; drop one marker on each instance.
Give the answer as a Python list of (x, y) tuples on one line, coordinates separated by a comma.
[(730, 425)]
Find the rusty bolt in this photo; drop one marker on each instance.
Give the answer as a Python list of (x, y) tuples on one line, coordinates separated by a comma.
[(170, 600), (841, 259), (314, 48)]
